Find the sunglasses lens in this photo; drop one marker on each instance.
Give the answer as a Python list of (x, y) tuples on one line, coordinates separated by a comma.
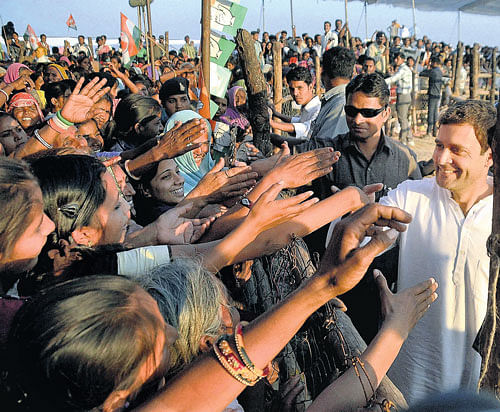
[(352, 111), (369, 112)]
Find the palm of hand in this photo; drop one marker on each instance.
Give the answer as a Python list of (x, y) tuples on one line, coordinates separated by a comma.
[(76, 108)]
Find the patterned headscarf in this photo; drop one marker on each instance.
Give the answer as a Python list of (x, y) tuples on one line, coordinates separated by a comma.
[(13, 72), (24, 99), (63, 71)]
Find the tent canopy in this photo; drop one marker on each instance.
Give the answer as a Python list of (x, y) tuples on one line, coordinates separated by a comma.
[(486, 7)]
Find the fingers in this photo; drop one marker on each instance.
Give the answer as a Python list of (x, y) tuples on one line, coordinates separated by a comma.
[(181, 210), (78, 86), (188, 148), (336, 302), (237, 171), (381, 282), (373, 188), (218, 166), (271, 193)]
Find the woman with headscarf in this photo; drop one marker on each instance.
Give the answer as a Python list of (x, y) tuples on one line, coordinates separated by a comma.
[(197, 163), (26, 109), (56, 73), (17, 78), (14, 71), (237, 99)]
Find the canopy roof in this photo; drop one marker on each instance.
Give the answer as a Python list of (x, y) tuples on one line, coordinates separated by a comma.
[(486, 7)]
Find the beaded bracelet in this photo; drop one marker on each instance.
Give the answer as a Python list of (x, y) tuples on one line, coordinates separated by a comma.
[(63, 120), (56, 125), (42, 140), (238, 338), (232, 364)]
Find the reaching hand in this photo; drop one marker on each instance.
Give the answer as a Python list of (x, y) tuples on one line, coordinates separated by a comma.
[(76, 109), (401, 311), (344, 262), (268, 212), (182, 139), (219, 184), (173, 229), (24, 82)]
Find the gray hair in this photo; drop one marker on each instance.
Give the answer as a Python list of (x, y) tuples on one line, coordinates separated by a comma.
[(190, 299)]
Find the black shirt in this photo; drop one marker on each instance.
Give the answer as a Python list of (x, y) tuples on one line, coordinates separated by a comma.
[(391, 164), (435, 76)]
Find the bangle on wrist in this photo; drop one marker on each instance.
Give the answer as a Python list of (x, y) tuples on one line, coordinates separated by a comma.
[(6, 95), (238, 338), (129, 173), (63, 120), (56, 125), (42, 140)]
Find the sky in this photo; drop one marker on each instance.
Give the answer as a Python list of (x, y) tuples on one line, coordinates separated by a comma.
[(181, 17)]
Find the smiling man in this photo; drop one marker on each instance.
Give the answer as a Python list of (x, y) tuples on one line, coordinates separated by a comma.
[(452, 216)]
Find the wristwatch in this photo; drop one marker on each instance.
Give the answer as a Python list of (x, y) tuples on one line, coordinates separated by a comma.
[(245, 201)]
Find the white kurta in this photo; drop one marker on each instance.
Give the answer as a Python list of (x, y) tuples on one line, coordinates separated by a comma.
[(443, 243), (308, 112)]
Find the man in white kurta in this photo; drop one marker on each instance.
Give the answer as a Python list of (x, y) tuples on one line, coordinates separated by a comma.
[(452, 215)]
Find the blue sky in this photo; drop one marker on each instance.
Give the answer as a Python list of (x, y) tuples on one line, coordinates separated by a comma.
[(180, 17)]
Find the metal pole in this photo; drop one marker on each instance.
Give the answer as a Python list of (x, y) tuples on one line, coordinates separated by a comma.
[(205, 42), (346, 28), (263, 16), (366, 20), (291, 14), (414, 19), (150, 40)]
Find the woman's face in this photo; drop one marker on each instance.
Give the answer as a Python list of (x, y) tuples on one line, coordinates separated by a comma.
[(85, 64), (12, 135), (24, 254), (112, 216), (240, 98), (168, 185), (90, 132), (101, 112), (151, 128), (53, 75), (26, 116)]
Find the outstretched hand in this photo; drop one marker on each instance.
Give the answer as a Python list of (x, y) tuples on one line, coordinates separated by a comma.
[(174, 229), (345, 263), (77, 107), (181, 139)]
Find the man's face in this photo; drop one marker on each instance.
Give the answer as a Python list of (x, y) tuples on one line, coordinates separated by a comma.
[(397, 41), (338, 24), (399, 61), (369, 66), (186, 39), (380, 39), (407, 42), (80, 40), (43, 38), (301, 92), (255, 36), (327, 27), (176, 103), (460, 166), (362, 128)]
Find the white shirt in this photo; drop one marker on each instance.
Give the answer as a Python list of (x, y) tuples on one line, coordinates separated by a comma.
[(308, 112), (328, 41), (442, 243)]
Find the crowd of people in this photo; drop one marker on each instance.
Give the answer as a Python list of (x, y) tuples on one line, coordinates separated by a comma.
[(131, 223)]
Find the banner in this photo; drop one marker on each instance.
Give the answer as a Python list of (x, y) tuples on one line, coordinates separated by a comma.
[(219, 80), (30, 36), (226, 16), (220, 49), (71, 22), (130, 36)]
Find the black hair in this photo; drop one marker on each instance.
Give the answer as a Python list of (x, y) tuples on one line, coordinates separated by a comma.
[(299, 74), (57, 89), (372, 85), (339, 62), (110, 80)]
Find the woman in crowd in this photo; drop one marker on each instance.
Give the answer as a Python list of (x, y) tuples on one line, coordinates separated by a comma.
[(12, 135), (237, 100), (57, 93), (26, 109)]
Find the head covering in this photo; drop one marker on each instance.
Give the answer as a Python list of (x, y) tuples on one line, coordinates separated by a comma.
[(177, 85), (188, 169), (13, 72), (24, 99), (63, 71), (232, 116), (65, 59)]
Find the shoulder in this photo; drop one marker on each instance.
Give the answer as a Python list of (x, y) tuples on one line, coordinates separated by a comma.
[(409, 192)]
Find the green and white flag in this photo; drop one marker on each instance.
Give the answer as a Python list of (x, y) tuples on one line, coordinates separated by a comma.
[(220, 49), (226, 16), (219, 79)]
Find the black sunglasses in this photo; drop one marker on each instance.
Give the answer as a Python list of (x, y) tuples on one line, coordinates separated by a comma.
[(352, 111)]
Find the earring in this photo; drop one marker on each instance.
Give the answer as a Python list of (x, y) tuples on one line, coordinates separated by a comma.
[(89, 244)]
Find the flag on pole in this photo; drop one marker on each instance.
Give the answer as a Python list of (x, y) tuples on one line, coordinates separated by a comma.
[(219, 80), (220, 49), (130, 36), (204, 111), (30, 36), (226, 16), (71, 22)]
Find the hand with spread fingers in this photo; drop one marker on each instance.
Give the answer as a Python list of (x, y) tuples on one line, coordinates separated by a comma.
[(23, 82), (174, 229), (268, 212), (401, 311), (181, 139), (79, 103), (218, 185), (345, 263)]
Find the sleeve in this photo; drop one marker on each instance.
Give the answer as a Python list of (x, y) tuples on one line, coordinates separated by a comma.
[(136, 262)]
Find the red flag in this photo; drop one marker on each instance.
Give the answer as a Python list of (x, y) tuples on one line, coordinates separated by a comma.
[(71, 22)]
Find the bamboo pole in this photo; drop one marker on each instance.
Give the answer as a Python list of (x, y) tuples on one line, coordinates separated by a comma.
[(91, 47), (493, 91), (277, 79), (460, 59), (205, 42), (453, 71), (139, 18), (150, 41), (317, 68), (291, 17), (474, 72), (348, 45), (414, 19), (166, 43)]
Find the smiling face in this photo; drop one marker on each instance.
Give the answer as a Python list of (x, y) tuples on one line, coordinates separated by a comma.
[(460, 166), (12, 135), (167, 185), (363, 128), (26, 116)]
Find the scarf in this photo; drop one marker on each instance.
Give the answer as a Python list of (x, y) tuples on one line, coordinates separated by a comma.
[(13, 72), (24, 99), (63, 71), (188, 169), (232, 116)]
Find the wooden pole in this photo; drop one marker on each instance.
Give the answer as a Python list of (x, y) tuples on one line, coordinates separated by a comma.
[(150, 41), (453, 71), (167, 49), (489, 334), (257, 92), (205, 42), (317, 69), (474, 72), (277, 79), (458, 71), (139, 17), (348, 45), (493, 91), (91, 47)]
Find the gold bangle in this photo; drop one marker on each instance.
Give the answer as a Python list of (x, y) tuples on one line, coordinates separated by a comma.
[(229, 368), (238, 338)]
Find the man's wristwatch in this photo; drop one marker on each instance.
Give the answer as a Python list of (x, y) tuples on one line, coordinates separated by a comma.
[(245, 201)]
